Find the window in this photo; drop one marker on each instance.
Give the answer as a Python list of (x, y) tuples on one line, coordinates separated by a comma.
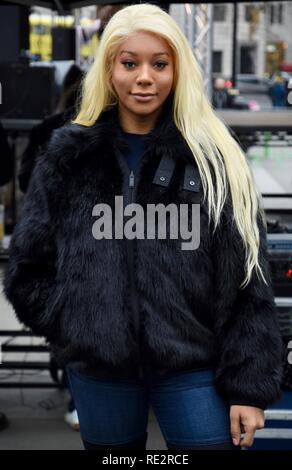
[(217, 61), (219, 12), (247, 59), (280, 13), (248, 13), (276, 13), (272, 14)]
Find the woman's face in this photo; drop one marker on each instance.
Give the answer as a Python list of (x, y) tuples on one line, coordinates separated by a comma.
[(144, 64)]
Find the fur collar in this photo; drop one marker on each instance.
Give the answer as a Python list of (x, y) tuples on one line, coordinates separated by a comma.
[(72, 142)]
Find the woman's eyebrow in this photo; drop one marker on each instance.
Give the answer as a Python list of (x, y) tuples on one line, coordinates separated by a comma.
[(135, 54)]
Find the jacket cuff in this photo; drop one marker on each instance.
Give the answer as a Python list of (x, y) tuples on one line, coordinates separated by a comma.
[(247, 403)]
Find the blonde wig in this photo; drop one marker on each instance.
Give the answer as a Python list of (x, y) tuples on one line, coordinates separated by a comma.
[(222, 164)]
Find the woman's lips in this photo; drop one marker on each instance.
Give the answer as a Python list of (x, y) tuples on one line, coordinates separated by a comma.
[(143, 98)]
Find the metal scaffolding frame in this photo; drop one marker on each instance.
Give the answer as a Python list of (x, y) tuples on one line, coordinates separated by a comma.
[(198, 28)]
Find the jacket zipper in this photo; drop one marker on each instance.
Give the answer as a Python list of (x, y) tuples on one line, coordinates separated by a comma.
[(131, 265), (129, 192), (129, 187)]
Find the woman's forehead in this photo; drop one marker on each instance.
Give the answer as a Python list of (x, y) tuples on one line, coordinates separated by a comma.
[(144, 43)]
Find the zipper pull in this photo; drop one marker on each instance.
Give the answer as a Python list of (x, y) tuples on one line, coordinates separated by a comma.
[(132, 179)]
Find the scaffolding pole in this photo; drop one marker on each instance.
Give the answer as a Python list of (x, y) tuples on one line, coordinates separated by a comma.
[(198, 28)]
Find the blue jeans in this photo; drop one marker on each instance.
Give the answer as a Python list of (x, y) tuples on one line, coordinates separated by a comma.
[(114, 413)]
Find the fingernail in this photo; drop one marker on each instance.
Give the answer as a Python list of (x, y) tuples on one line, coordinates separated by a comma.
[(234, 441)]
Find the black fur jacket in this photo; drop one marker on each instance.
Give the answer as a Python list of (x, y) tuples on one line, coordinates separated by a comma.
[(115, 303)]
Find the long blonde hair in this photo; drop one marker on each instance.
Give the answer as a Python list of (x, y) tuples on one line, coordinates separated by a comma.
[(210, 141)]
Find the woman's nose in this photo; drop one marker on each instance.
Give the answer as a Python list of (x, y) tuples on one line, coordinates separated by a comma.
[(144, 74)]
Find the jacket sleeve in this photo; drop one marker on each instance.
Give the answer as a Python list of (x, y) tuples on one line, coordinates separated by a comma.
[(249, 345), (30, 274)]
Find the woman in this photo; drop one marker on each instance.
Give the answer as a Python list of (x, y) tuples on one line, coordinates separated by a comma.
[(140, 320)]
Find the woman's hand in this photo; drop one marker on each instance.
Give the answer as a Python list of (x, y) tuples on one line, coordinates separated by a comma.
[(246, 420)]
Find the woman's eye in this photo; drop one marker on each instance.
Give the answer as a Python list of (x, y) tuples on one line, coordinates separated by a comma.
[(161, 63), (127, 63)]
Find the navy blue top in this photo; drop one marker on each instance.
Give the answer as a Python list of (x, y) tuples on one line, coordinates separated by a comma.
[(137, 147)]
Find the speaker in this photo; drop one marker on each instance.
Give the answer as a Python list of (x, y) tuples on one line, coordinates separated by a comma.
[(27, 92), (64, 43), (280, 258), (14, 32)]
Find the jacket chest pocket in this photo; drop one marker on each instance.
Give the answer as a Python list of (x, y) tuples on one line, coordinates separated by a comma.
[(191, 185)]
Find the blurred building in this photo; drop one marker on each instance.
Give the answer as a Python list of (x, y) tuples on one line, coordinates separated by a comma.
[(264, 36)]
